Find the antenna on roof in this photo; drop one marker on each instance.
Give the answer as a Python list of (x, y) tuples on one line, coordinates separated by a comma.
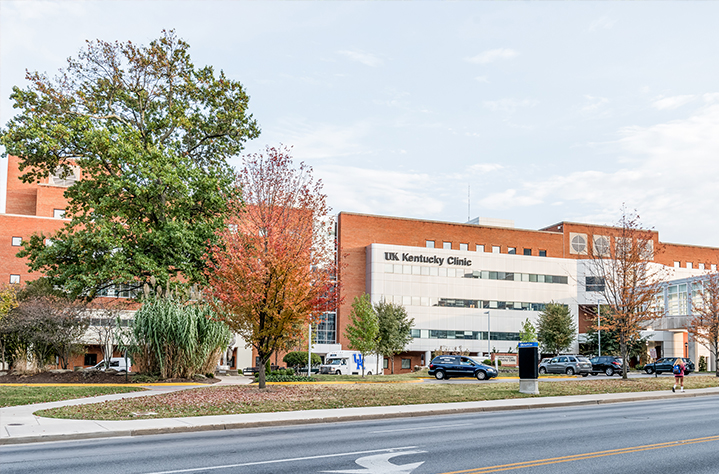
[(469, 214)]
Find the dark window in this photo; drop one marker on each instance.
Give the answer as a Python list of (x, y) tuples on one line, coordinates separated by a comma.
[(542, 253), (594, 283), (512, 250), (406, 363), (90, 359), (385, 363), (527, 251)]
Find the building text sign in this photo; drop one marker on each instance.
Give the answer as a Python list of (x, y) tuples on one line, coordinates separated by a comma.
[(407, 257)]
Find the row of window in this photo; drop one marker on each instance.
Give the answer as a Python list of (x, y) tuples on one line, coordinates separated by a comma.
[(471, 335), (511, 276), (430, 244), (486, 304), (482, 274), (700, 266), (325, 330)]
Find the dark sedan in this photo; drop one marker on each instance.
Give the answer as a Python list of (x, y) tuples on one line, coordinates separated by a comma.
[(447, 366), (608, 365), (665, 364)]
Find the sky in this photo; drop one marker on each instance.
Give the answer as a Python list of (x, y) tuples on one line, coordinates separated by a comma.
[(538, 112)]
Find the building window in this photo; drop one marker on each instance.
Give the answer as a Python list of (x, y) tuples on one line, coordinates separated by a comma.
[(447, 245), (542, 253), (90, 359), (480, 248), (16, 241), (326, 329), (14, 279), (714, 267), (429, 244), (677, 264), (512, 250), (527, 251), (690, 265), (495, 249), (594, 283), (406, 363), (58, 213), (385, 363), (464, 247), (701, 266)]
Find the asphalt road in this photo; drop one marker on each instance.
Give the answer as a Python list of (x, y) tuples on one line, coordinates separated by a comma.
[(671, 436)]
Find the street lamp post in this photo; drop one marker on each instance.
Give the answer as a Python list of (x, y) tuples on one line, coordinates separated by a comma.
[(599, 328), (489, 336)]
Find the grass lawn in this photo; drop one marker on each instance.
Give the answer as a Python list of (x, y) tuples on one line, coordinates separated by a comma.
[(249, 399), (25, 395)]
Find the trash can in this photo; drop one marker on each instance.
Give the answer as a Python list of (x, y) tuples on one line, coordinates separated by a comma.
[(529, 367)]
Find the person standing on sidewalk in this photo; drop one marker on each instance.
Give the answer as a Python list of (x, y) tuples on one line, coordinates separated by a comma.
[(678, 370)]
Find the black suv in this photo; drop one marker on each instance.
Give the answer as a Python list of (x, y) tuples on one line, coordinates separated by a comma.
[(609, 365), (666, 364), (447, 366)]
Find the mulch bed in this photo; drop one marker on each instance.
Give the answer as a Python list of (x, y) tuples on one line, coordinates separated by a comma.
[(89, 377)]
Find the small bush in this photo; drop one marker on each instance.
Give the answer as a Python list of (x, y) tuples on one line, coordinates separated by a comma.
[(639, 367), (287, 378), (487, 362), (702, 364)]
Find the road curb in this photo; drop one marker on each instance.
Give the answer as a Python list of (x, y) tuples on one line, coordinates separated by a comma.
[(336, 419)]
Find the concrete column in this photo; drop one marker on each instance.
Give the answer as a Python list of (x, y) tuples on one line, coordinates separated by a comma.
[(427, 358)]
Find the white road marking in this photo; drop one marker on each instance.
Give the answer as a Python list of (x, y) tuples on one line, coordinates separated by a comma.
[(274, 461), (422, 428), (379, 464)]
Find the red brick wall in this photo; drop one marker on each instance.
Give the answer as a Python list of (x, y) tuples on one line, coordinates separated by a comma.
[(20, 226), (670, 253)]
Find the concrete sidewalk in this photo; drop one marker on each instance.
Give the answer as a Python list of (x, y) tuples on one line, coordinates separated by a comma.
[(19, 425)]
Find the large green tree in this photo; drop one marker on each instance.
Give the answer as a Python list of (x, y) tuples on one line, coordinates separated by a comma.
[(395, 329), (150, 135), (362, 333), (555, 328)]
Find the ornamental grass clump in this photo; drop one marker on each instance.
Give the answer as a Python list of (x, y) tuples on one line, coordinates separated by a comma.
[(175, 339)]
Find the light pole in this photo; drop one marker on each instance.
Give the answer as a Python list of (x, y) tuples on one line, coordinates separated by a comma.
[(489, 337), (309, 352), (599, 328)]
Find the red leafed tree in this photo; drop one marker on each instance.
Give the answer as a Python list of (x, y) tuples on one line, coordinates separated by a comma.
[(704, 323), (273, 271)]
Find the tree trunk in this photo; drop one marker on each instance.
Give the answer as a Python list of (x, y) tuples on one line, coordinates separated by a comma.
[(263, 364), (623, 347)]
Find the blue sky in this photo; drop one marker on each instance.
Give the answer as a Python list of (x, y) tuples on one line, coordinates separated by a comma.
[(549, 111)]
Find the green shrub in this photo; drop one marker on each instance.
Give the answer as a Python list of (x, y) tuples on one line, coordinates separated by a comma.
[(175, 339), (299, 359), (639, 367), (702, 364), (487, 362)]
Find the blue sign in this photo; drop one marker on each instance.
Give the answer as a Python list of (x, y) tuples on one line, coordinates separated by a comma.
[(358, 361), (528, 344)]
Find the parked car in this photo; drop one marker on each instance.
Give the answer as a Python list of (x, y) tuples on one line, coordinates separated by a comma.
[(609, 365), (665, 364), (116, 363), (566, 364), (445, 367)]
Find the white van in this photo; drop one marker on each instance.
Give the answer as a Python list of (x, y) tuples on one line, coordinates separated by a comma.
[(116, 363), (350, 363)]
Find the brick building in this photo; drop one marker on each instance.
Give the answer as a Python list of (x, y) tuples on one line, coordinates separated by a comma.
[(471, 285)]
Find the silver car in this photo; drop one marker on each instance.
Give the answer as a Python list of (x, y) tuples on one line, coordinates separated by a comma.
[(566, 364)]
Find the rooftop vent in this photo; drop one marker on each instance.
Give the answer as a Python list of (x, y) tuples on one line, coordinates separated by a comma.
[(492, 222)]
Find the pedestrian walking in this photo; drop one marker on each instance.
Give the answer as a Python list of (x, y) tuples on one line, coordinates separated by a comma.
[(678, 370)]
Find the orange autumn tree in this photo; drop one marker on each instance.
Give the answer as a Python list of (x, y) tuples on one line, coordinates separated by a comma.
[(273, 271)]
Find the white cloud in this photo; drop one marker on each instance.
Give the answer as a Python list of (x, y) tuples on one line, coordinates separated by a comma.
[(509, 105), (602, 23), (481, 168), (595, 103), (377, 191), (669, 103), (492, 55), (668, 174), (482, 79), (367, 59)]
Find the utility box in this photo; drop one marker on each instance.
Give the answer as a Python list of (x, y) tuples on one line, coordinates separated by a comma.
[(529, 367)]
